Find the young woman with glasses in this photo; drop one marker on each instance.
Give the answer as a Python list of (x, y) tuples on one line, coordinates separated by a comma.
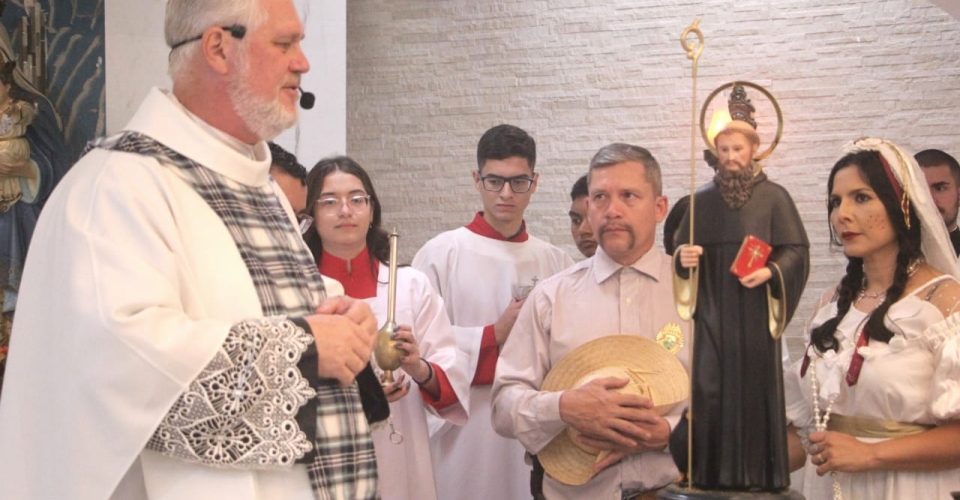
[(350, 245)]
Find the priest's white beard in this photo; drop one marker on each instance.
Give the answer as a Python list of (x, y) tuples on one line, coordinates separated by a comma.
[(264, 117)]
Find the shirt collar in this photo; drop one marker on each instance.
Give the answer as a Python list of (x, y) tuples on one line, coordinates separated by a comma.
[(604, 267), (480, 226)]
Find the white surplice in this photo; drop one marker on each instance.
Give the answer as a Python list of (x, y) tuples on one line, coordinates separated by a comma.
[(475, 276), (405, 470)]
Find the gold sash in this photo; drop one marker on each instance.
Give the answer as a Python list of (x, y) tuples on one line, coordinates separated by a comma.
[(873, 427)]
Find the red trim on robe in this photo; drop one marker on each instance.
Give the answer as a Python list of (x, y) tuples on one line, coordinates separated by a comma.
[(359, 280), (487, 361), (480, 226), (446, 398), (360, 283)]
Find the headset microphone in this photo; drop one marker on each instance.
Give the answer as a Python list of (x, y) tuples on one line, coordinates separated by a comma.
[(307, 99)]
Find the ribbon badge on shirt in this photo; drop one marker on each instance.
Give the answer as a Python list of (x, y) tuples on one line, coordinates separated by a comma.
[(670, 337)]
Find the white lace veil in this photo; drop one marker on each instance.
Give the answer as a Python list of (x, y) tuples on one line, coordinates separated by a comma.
[(935, 240)]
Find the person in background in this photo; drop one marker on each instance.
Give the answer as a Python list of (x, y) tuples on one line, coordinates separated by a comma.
[(290, 175), (580, 228), (350, 245), (942, 173), (484, 271)]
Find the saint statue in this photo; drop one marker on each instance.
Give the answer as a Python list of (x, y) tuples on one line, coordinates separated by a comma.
[(739, 440)]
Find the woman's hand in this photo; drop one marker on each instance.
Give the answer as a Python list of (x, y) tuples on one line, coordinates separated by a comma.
[(411, 361), (398, 389), (836, 451)]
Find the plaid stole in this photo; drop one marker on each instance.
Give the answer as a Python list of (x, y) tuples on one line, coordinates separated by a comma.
[(288, 284)]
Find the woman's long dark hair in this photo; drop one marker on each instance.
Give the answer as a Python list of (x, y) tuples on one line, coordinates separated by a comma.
[(378, 242), (871, 168)]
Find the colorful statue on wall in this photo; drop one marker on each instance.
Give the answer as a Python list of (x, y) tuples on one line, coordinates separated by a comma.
[(15, 164), (42, 139)]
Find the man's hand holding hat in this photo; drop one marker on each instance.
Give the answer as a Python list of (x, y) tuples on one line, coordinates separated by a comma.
[(613, 422)]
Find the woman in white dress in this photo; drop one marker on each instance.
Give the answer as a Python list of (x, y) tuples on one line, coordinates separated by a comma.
[(350, 245), (875, 400)]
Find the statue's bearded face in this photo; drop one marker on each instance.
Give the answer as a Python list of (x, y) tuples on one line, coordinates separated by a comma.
[(735, 175), (735, 151)]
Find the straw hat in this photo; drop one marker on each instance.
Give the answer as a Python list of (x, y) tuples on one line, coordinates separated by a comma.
[(653, 372)]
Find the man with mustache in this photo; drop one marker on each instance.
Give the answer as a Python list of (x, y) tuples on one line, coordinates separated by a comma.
[(943, 178), (483, 271), (737, 398), (178, 342), (624, 288), (580, 228)]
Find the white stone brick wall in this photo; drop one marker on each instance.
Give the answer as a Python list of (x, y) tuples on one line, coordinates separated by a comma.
[(426, 78)]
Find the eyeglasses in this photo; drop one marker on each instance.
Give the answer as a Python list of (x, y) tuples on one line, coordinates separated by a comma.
[(518, 184), (237, 31), (331, 204)]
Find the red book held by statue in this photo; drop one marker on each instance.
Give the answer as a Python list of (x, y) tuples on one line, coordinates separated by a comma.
[(753, 255)]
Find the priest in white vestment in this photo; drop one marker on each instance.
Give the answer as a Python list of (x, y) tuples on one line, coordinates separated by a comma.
[(173, 338)]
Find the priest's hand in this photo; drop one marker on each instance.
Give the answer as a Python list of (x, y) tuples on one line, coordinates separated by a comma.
[(501, 329), (344, 330), (757, 278), (606, 417), (690, 255), (356, 310)]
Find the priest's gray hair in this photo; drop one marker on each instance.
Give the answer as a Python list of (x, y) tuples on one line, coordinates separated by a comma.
[(618, 152), (186, 19)]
